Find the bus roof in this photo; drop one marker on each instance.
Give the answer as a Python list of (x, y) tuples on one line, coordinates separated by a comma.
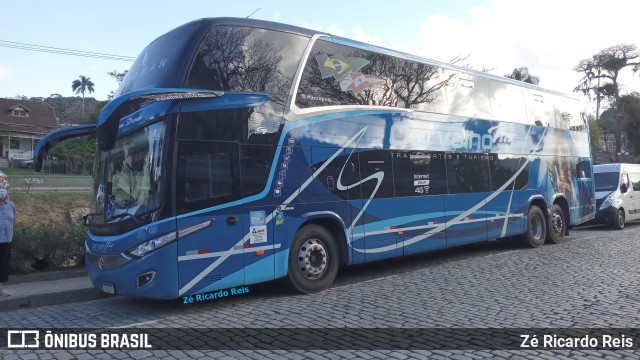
[(308, 32)]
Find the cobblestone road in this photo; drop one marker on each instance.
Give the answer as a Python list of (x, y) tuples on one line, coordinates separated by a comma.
[(591, 281)]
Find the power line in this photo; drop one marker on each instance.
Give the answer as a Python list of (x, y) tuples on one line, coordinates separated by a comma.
[(63, 51)]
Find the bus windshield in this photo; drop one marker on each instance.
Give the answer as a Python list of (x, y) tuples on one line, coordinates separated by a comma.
[(606, 181), (130, 186)]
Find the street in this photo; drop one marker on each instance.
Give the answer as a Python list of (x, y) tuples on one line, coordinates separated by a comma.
[(590, 281)]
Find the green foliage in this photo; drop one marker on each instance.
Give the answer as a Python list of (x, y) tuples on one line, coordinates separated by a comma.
[(630, 108), (78, 154), (69, 109), (82, 85), (47, 246), (594, 136), (95, 113), (600, 72)]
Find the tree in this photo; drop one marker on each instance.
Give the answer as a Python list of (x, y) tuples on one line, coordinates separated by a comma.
[(77, 155), (119, 76), (522, 74), (601, 78), (82, 85), (630, 112)]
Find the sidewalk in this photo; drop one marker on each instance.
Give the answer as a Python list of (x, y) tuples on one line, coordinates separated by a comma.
[(48, 288)]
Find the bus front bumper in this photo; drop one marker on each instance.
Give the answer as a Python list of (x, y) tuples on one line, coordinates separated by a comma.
[(151, 276)]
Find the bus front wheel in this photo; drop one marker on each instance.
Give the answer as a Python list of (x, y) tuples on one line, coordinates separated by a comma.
[(536, 228), (313, 260)]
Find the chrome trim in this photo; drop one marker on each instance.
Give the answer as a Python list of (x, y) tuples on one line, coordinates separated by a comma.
[(107, 262), (192, 229)]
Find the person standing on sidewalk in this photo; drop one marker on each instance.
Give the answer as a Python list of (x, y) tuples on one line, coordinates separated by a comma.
[(7, 219)]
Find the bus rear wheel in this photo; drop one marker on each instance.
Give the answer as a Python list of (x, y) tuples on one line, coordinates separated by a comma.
[(557, 225), (536, 228), (313, 260)]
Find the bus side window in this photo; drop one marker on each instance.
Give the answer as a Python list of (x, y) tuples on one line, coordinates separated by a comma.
[(467, 173), (376, 163), (419, 173), (583, 169), (207, 174)]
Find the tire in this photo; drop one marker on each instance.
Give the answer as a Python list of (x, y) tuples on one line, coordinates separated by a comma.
[(618, 221), (536, 232), (313, 260), (557, 225)]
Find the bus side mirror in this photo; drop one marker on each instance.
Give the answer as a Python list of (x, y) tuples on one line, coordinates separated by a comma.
[(624, 188)]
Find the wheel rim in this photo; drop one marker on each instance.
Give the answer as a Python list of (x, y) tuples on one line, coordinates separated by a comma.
[(558, 224), (535, 227), (313, 259), (620, 218)]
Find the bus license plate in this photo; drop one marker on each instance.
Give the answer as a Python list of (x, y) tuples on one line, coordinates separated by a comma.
[(108, 288)]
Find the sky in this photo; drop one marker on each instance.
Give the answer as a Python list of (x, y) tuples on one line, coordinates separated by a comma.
[(550, 37)]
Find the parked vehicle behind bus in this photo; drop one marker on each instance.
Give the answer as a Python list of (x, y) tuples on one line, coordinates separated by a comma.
[(617, 193), (238, 151)]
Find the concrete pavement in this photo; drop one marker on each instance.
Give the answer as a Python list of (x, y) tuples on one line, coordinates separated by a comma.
[(48, 288)]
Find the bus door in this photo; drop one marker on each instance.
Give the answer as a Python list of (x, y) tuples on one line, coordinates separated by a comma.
[(258, 250), (376, 184), (506, 212), (210, 244)]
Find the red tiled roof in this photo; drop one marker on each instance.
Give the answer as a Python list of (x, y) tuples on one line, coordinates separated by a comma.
[(40, 119)]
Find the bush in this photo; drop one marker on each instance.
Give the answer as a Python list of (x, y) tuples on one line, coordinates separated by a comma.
[(47, 246)]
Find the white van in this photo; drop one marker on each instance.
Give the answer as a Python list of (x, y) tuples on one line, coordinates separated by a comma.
[(617, 193)]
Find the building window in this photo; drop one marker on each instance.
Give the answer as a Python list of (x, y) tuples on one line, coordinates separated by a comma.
[(19, 112), (15, 143)]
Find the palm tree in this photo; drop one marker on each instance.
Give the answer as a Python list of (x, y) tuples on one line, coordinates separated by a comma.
[(522, 74), (82, 85)]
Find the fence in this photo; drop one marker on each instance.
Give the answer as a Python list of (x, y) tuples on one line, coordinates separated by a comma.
[(28, 183)]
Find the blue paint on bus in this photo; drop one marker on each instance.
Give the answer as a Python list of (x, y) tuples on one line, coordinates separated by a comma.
[(209, 171)]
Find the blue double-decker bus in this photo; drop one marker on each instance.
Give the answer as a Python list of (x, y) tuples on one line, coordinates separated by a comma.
[(239, 151)]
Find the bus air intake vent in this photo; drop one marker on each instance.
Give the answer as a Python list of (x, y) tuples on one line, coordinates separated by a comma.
[(212, 278)]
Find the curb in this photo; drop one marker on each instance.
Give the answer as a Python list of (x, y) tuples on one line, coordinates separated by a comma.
[(47, 276), (57, 298), (49, 288)]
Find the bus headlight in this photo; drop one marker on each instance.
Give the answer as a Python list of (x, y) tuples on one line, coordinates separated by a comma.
[(607, 202), (151, 245)]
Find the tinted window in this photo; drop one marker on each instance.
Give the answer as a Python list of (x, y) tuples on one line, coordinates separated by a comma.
[(207, 175), (376, 165), (419, 173), (341, 75), (606, 181), (255, 164), (248, 59), (467, 172), (583, 169), (164, 63), (245, 125), (503, 167), (635, 181), (223, 155)]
